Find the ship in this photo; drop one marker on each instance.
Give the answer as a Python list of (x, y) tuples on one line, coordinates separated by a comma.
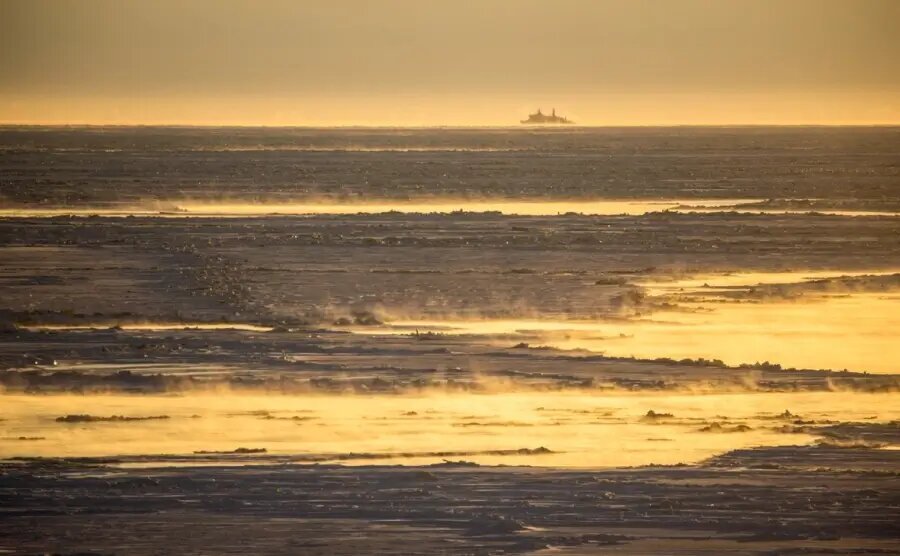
[(541, 118)]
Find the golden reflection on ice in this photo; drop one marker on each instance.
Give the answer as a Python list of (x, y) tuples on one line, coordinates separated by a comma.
[(746, 280), (156, 326), (854, 331), (512, 207), (187, 209), (237, 209), (582, 429)]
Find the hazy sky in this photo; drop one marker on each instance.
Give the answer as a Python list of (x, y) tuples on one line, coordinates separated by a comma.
[(455, 62)]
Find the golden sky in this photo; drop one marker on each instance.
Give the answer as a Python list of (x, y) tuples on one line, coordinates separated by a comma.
[(443, 62)]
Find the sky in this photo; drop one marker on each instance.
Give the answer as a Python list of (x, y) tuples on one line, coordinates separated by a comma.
[(449, 62)]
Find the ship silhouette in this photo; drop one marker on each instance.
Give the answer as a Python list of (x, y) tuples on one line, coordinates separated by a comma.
[(541, 118)]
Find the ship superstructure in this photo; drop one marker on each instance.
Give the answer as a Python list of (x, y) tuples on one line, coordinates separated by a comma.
[(541, 118)]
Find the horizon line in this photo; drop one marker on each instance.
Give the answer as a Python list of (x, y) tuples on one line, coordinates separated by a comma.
[(434, 126)]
